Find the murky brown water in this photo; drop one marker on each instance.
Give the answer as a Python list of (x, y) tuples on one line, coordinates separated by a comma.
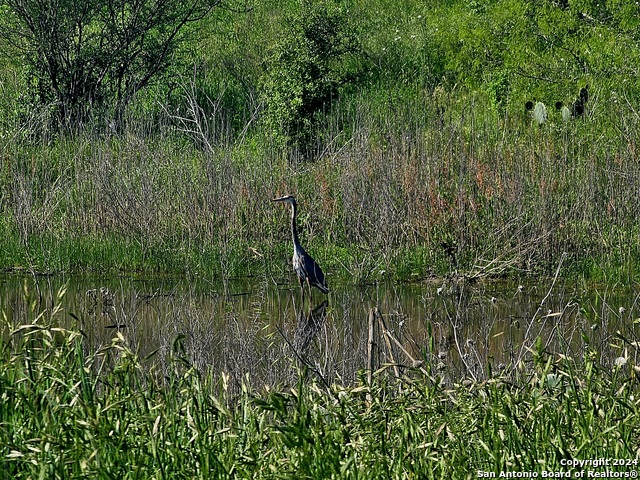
[(258, 330)]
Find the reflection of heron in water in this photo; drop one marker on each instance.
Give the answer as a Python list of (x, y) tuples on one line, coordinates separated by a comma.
[(308, 326), (303, 264)]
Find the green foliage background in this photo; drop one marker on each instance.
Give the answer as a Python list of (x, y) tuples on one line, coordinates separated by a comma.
[(399, 125)]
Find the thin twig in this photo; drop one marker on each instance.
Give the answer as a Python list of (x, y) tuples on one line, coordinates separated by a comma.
[(383, 326), (553, 283)]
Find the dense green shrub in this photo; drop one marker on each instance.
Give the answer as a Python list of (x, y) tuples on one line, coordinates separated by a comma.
[(315, 54)]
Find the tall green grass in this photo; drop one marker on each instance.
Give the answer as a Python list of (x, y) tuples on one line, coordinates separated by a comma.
[(68, 411)]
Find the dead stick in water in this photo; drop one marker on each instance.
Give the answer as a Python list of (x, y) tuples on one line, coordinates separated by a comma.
[(414, 363), (524, 347), (383, 326)]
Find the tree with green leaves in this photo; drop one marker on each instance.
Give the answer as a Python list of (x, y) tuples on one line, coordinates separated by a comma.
[(88, 55), (317, 53)]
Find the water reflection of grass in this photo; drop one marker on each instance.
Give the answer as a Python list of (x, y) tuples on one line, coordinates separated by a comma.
[(70, 412)]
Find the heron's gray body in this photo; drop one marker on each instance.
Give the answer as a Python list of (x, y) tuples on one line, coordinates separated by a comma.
[(307, 269), (304, 265)]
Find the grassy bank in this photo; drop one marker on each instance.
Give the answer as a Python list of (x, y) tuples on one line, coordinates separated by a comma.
[(69, 412), (414, 135), (510, 195)]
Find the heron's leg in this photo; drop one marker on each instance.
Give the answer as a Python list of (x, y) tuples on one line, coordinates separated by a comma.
[(301, 288), (310, 296)]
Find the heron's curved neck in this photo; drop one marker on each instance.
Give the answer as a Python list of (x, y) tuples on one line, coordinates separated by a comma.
[(294, 229)]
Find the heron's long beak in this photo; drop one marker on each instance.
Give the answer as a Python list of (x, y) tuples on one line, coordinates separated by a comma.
[(280, 199)]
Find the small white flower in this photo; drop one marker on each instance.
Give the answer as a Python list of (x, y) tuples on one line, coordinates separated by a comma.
[(620, 362)]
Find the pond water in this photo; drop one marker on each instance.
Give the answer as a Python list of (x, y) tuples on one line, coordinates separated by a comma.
[(257, 330)]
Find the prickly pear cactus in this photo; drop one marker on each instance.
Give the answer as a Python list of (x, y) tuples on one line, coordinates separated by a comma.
[(540, 113)]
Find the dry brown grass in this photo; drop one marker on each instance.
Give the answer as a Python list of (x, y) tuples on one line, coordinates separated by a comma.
[(510, 196)]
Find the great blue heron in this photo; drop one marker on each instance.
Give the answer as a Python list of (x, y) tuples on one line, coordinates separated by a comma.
[(305, 267)]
